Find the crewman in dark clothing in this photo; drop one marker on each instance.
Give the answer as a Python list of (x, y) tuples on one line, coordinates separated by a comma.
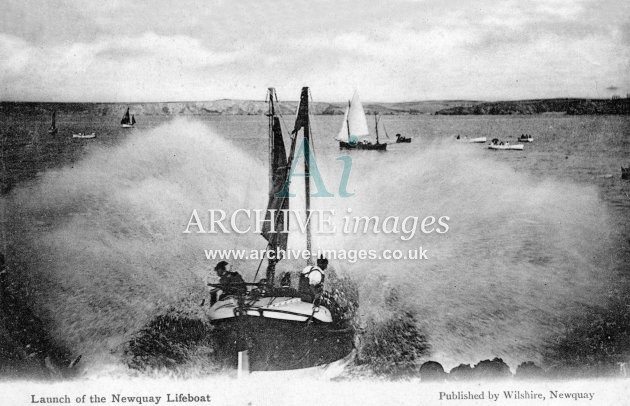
[(285, 282), (232, 283)]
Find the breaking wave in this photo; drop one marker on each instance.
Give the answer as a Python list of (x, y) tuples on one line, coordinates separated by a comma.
[(101, 251), (101, 244)]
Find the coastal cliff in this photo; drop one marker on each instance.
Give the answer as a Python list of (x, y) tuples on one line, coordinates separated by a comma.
[(259, 107), (223, 107), (568, 106)]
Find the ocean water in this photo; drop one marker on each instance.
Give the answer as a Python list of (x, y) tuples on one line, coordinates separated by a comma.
[(536, 239)]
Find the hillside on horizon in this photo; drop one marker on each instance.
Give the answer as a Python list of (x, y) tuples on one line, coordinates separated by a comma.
[(571, 106), (228, 107), (259, 107)]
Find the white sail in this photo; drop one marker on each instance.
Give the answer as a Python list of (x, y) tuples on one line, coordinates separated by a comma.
[(343, 133), (354, 119)]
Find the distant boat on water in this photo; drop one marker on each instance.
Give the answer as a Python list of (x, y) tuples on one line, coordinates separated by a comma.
[(401, 139), (525, 138), (500, 145), (126, 121), (354, 128), (508, 146), (53, 127), (83, 135), (471, 140)]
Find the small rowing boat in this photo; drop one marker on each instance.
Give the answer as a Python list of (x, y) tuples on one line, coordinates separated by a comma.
[(83, 135), (500, 145), (525, 138), (471, 140)]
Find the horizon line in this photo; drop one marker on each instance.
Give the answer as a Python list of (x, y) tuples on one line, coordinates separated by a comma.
[(329, 102)]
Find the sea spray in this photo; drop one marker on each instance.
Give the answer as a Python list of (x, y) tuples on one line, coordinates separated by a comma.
[(101, 249), (521, 256), (99, 245)]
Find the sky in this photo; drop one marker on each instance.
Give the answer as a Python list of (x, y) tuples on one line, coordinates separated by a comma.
[(395, 50)]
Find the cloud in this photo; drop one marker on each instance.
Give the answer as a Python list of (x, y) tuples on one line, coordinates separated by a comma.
[(559, 8), (398, 51), (176, 49), (15, 55), (109, 68)]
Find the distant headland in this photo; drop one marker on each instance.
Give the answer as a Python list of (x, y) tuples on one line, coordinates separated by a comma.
[(567, 106), (571, 106)]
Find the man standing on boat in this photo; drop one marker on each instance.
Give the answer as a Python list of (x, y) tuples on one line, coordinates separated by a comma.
[(312, 280), (232, 283)]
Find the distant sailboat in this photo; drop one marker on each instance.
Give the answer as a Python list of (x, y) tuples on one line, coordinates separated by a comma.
[(354, 128), (84, 135), (53, 127), (127, 122)]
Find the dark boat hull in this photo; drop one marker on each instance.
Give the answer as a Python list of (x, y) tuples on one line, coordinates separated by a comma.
[(404, 140), (362, 146), (275, 345)]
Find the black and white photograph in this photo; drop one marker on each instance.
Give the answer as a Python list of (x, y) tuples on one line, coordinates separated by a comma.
[(213, 202)]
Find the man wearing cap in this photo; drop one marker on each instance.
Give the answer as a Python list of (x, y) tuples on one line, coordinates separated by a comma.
[(312, 280), (232, 283)]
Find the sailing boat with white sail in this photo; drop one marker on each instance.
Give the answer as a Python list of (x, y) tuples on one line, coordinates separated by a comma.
[(53, 127), (280, 326), (126, 121), (354, 128)]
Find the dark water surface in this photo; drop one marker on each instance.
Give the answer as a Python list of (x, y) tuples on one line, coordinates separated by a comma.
[(538, 239)]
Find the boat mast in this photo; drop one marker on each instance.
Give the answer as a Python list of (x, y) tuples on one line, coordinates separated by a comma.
[(271, 113), (376, 125), (270, 274), (348, 121), (278, 189), (303, 122), (307, 173)]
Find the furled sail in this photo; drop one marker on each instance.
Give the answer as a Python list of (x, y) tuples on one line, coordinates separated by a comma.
[(301, 120), (277, 201), (354, 125), (133, 120)]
